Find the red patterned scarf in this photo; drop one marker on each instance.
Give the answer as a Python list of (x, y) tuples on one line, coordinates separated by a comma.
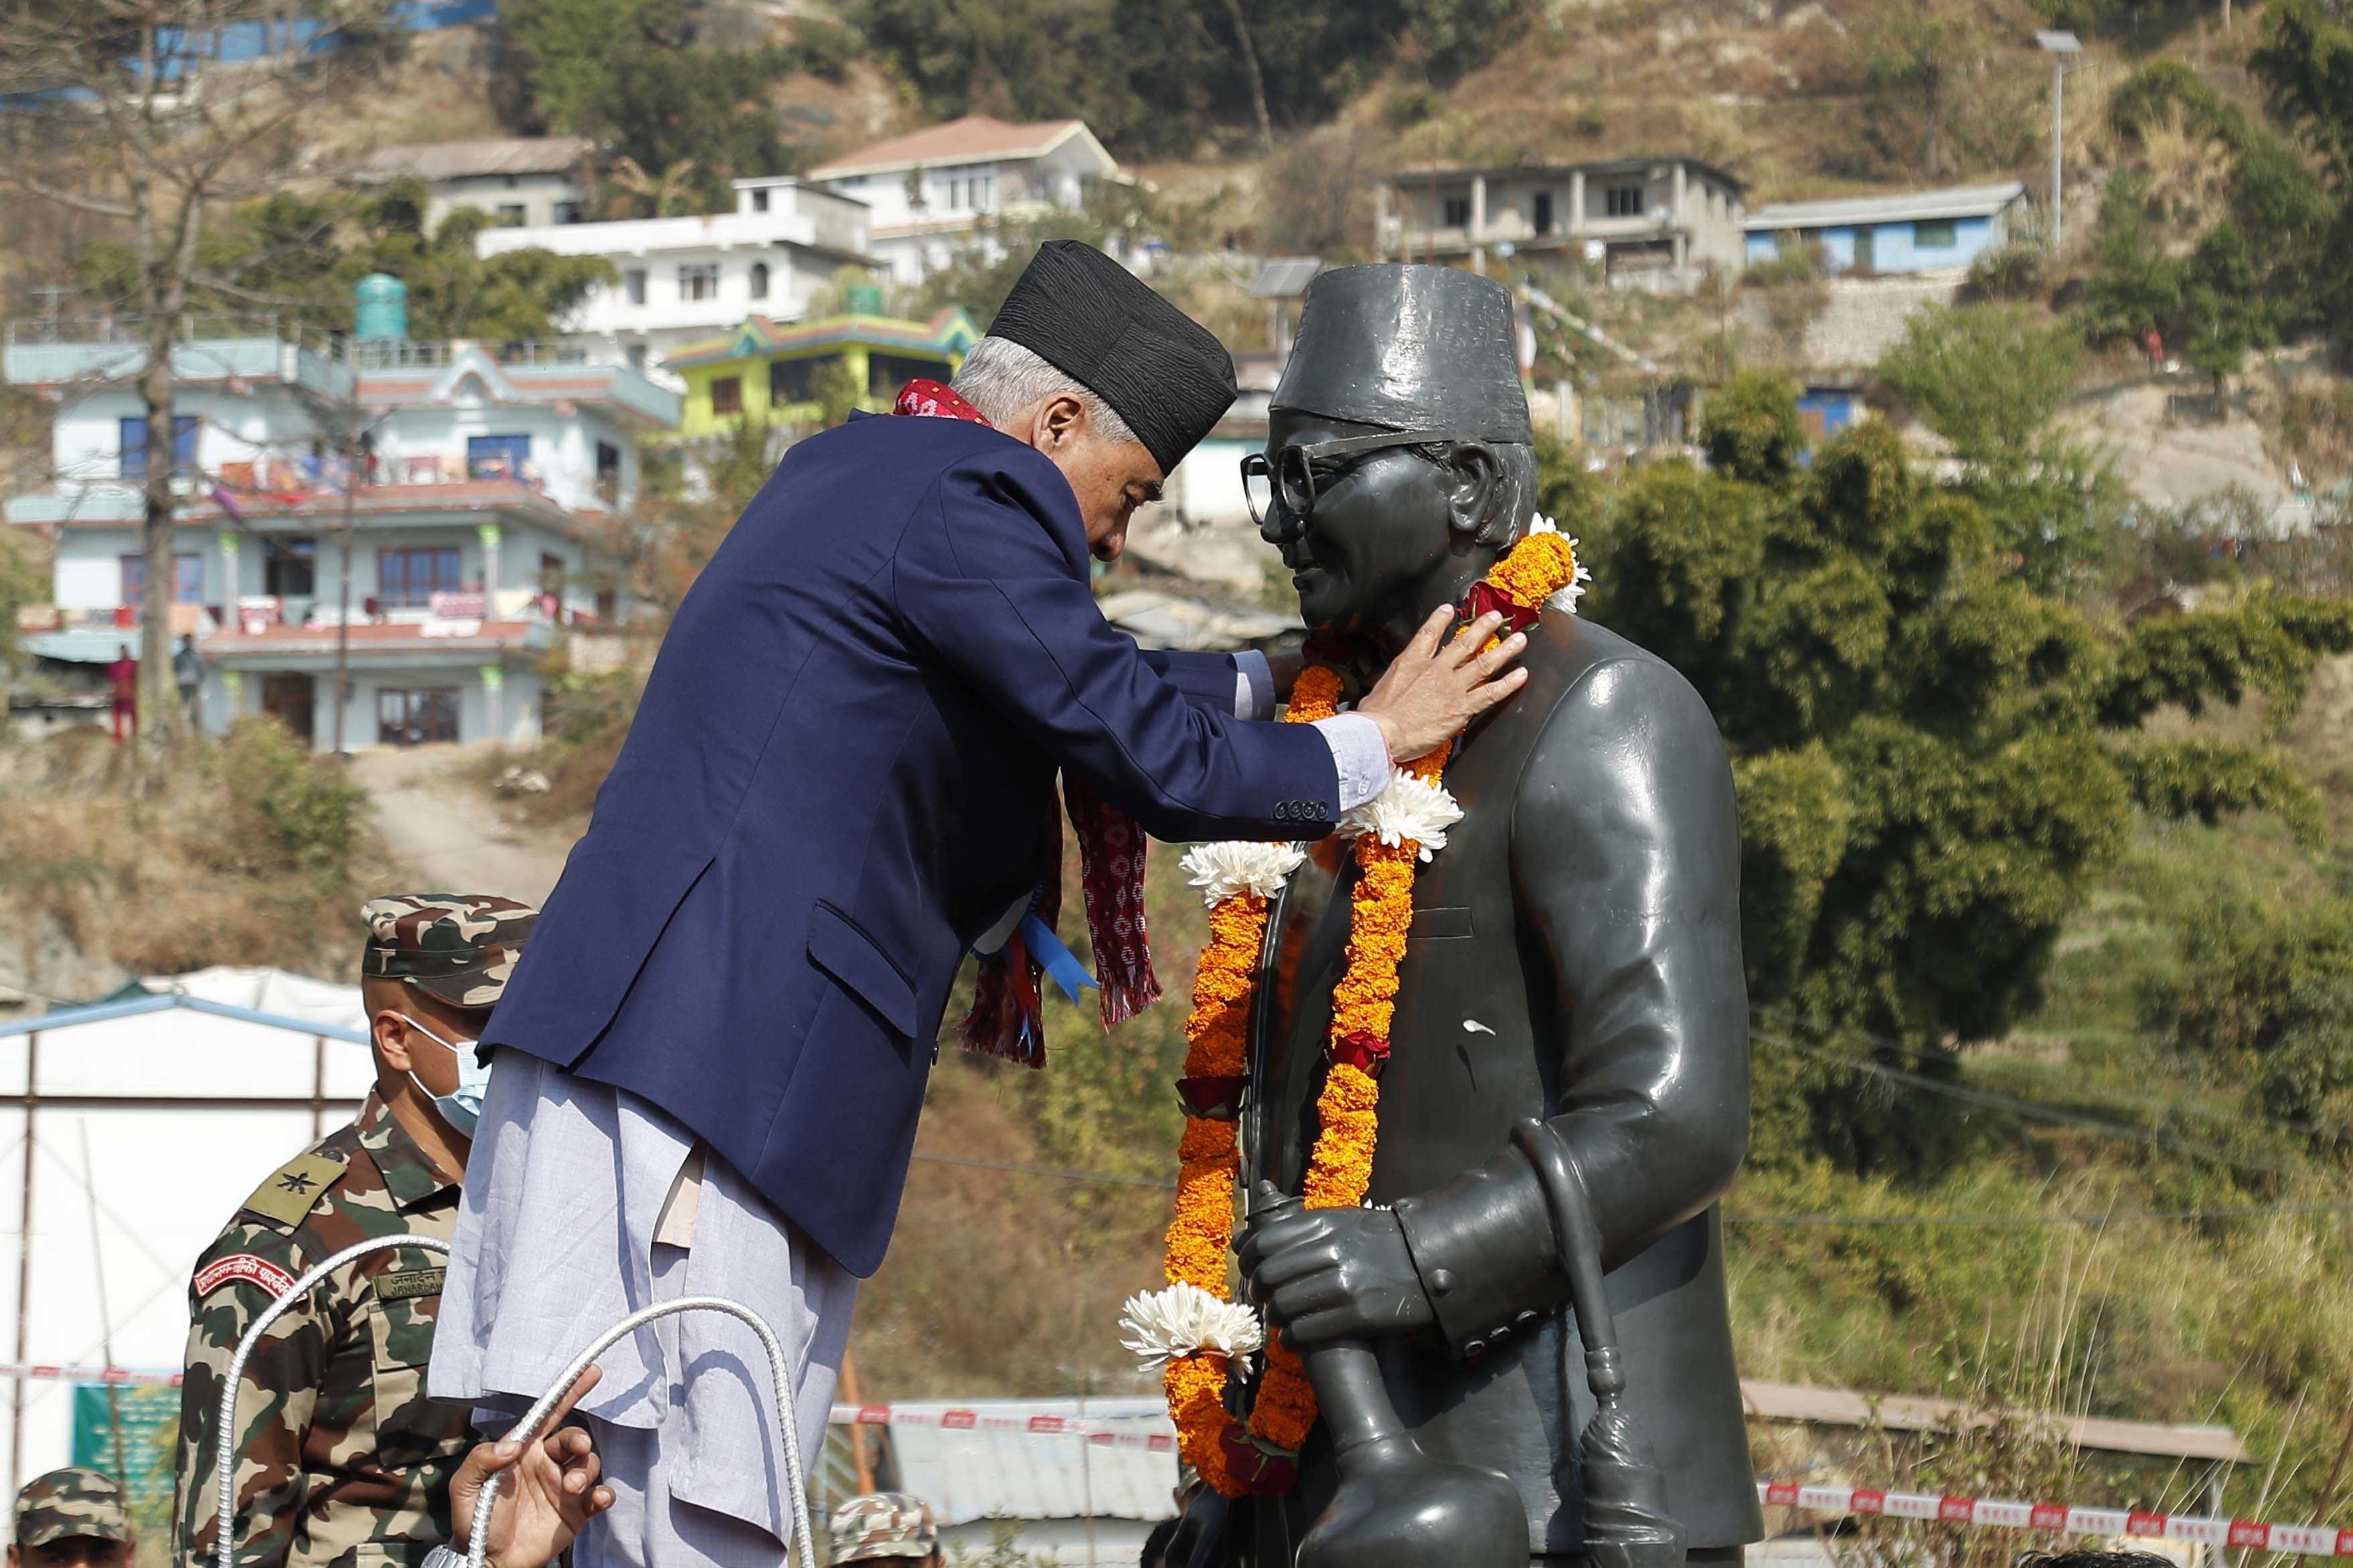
[(1005, 1021)]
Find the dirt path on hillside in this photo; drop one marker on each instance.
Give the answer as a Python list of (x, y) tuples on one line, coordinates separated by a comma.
[(446, 831)]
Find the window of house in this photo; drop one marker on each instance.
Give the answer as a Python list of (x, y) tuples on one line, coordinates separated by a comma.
[(550, 575), (1934, 233), (408, 578), (636, 353), (886, 373), (498, 457), (187, 579), (698, 281), (1622, 201), (759, 201), (1540, 216), (567, 211), (727, 395), (134, 443), (759, 280), (290, 568), (412, 717), (789, 381), (634, 281), (608, 473), (511, 215), (1457, 214)]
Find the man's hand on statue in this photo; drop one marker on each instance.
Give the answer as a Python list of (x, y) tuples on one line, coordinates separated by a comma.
[(1438, 685), (550, 1492), (1335, 1274)]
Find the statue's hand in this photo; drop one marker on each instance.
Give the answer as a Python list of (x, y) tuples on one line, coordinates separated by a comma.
[(1335, 1274)]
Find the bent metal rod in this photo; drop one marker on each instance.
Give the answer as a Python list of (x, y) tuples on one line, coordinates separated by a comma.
[(779, 1369)]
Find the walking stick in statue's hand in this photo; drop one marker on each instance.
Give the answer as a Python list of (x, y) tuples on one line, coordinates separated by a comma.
[(1625, 1520), (1394, 1505)]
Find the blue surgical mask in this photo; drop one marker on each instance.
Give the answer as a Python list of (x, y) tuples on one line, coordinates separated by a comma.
[(462, 1109)]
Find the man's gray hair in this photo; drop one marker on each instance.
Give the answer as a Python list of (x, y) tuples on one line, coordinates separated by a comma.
[(1003, 380)]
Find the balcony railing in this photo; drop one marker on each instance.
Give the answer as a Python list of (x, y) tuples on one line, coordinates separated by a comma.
[(358, 354)]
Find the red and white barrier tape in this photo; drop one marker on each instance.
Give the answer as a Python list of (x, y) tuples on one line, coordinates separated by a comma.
[(1103, 1434), (119, 1376), (2061, 1519)]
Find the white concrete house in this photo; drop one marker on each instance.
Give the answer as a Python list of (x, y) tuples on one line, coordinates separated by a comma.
[(930, 192), (683, 279), (1650, 223), (487, 471), (522, 181)]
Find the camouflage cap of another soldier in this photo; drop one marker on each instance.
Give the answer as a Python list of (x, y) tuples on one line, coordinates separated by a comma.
[(460, 947), (883, 1524), (67, 1503)]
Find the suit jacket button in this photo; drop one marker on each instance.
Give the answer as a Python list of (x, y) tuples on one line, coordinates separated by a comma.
[(1441, 1281)]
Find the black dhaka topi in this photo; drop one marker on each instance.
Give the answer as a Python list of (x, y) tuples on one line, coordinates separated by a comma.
[(1097, 322)]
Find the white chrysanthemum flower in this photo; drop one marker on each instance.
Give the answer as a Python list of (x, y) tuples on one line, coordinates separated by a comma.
[(1564, 598), (1411, 808), (1540, 524), (1237, 865), (1161, 1325)]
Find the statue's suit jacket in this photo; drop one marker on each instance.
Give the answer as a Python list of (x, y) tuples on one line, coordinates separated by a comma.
[(840, 775), (1575, 954)]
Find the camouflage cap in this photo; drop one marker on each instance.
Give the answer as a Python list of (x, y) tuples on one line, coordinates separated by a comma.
[(69, 1502), (460, 947), (883, 1524)]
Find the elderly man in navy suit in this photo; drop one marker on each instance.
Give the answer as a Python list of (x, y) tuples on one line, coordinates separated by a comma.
[(840, 781)]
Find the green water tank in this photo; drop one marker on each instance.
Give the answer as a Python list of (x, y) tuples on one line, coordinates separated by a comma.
[(865, 300), (383, 307)]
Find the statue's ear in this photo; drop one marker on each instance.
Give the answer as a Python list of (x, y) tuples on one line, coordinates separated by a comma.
[(1475, 483)]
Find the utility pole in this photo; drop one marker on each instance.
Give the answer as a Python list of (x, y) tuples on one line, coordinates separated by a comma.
[(2060, 47)]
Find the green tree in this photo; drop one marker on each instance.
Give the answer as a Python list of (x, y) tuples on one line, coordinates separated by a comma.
[(305, 255), (1987, 378), (1934, 758), (641, 77), (1155, 78)]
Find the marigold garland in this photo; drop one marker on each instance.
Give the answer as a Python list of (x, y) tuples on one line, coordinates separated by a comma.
[(1542, 568)]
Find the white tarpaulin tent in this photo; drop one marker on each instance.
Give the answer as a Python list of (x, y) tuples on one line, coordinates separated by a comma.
[(130, 1131)]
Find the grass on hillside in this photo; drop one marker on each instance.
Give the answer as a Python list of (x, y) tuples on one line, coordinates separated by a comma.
[(248, 850)]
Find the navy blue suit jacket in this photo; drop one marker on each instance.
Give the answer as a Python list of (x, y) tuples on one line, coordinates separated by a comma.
[(841, 775)]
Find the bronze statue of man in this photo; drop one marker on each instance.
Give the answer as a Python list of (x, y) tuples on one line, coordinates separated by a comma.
[(1574, 957)]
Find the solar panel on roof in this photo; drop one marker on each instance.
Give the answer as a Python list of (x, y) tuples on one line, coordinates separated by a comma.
[(1287, 277)]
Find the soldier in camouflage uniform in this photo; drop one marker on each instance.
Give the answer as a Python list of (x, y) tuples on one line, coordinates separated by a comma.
[(342, 1460), (72, 1518), (895, 1526)]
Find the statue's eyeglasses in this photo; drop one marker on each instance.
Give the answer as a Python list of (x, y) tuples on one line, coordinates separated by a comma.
[(1295, 474)]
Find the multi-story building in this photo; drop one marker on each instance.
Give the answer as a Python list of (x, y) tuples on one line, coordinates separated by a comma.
[(771, 374), (931, 194), (1656, 223), (467, 534), (685, 279), (522, 181), (1915, 231)]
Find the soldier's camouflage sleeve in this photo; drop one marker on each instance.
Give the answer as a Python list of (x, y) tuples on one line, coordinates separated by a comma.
[(235, 1282)]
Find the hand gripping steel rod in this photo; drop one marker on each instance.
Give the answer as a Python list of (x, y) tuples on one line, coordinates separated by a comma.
[(779, 1367), (225, 1528)]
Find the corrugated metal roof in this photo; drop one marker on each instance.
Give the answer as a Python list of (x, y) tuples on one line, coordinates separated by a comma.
[(1956, 201), (472, 160), (972, 137), (971, 1475)]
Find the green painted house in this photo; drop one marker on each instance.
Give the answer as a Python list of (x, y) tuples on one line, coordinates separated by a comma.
[(773, 374)]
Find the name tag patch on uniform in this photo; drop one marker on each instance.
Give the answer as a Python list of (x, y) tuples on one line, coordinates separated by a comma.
[(244, 1265), (407, 1284)]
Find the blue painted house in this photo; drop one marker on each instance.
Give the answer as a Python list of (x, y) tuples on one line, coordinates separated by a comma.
[(1918, 231)]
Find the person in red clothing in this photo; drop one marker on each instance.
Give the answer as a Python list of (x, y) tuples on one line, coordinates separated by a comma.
[(122, 677)]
